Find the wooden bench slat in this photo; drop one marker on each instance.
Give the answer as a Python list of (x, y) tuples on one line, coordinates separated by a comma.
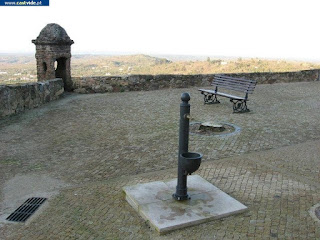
[(250, 91), (217, 82), (222, 94), (230, 96), (235, 88), (244, 87), (233, 81), (233, 78)]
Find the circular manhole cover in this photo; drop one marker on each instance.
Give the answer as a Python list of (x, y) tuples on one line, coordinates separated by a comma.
[(213, 128)]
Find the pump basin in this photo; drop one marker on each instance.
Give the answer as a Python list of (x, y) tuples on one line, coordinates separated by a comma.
[(190, 161)]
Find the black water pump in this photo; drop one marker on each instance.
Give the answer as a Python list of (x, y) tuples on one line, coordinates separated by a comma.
[(188, 162)]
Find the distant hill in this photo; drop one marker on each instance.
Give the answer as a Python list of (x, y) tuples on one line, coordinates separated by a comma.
[(22, 68)]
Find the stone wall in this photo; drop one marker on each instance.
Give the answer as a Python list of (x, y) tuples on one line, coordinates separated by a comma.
[(16, 98), (137, 82), (101, 84), (281, 77)]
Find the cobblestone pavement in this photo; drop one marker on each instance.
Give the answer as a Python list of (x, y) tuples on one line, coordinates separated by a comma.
[(92, 145)]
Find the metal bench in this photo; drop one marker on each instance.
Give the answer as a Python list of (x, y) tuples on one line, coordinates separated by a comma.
[(231, 83)]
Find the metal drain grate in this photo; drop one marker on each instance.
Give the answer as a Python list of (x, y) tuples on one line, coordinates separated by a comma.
[(26, 209)]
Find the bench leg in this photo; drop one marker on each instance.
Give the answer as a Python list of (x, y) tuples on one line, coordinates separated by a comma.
[(239, 106), (210, 99)]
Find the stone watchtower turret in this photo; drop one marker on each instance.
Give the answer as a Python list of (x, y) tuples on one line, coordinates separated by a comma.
[(53, 54)]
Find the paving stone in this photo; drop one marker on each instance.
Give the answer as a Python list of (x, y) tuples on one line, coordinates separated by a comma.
[(153, 201), (147, 193), (97, 144)]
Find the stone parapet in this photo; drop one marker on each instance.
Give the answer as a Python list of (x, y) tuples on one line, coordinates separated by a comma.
[(16, 98), (102, 84)]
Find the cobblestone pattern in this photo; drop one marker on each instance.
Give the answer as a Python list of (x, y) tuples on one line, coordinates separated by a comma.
[(278, 208), (106, 139), (94, 137)]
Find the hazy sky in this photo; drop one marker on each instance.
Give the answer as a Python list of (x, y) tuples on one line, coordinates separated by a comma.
[(257, 28)]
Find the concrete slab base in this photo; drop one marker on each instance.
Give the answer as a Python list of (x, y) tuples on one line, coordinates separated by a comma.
[(154, 202)]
